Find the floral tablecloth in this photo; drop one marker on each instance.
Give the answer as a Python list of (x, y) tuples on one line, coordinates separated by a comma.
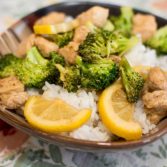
[(19, 150)]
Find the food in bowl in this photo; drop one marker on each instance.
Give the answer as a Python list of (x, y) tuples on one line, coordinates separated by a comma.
[(94, 77)]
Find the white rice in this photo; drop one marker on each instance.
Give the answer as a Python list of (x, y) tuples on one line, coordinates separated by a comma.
[(94, 129), (98, 133), (140, 55), (140, 116)]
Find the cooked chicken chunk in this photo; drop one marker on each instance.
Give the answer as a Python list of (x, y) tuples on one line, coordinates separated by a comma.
[(80, 34), (12, 95), (155, 115), (25, 45), (156, 99), (13, 100), (43, 45), (69, 52), (115, 58), (97, 15), (10, 84), (52, 18), (157, 79), (145, 25), (155, 95)]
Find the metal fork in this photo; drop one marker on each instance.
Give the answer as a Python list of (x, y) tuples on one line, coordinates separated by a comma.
[(10, 39), (8, 42)]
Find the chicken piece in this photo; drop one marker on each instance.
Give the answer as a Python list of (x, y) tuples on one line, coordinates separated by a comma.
[(69, 52), (145, 25), (115, 58), (155, 117), (97, 15), (51, 18), (156, 105), (156, 79), (25, 45), (43, 45), (80, 34), (145, 89), (10, 84), (13, 100), (12, 95), (156, 100), (155, 95)]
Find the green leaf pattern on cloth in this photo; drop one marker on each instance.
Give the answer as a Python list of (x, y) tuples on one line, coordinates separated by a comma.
[(55, 153), (33, 154)]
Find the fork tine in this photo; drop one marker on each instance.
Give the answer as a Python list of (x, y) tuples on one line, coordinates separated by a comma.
[(10, 40), (4, 49)]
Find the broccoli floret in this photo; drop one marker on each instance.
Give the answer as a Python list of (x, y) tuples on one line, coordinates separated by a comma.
[(70, 77), (159, 41), (57, 59), (123, 44), (132, 81), (97, 75), (104, 43), (123, 23), (62, 39), (118, 44), (93, 47), (94, 76), (8, 65), (34, 70)]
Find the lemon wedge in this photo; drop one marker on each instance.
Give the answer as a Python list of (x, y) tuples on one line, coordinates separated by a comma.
[(143, 70), (117, 113), (54, 115), (57, 28)]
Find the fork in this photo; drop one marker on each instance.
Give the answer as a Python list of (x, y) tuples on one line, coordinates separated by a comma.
[(10, 39)]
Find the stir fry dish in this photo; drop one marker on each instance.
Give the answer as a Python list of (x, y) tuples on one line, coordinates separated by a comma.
[(95, 77)]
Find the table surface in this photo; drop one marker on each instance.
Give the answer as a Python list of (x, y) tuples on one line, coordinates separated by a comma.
[(30, 152)]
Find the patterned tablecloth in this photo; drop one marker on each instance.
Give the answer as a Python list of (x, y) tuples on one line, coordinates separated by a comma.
[(19, 150)]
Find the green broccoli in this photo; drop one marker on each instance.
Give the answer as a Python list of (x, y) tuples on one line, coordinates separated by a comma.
[(118, 44), (57, 59), (132, 81), (8, 65), (97, 75), (124, 44), (62, 39), (34, 70), (93, 47), (70, 77), (159, 41), (104, 43), (123, 23), (94, 76)]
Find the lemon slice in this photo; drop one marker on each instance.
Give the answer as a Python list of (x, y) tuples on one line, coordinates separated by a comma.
[(54, 115), (117, 113), (57, 28), (143, 70)]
